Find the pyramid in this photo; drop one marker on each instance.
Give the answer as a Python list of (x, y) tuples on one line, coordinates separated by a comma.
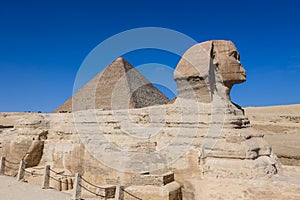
[(118, 86)]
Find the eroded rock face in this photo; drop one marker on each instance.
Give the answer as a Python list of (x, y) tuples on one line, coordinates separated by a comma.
[(26, 139), (34, 153), (227, 60), (196, 72), (207, 72)]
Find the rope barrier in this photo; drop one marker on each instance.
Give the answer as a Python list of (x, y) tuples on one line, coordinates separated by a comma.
[(54, 179), (57, 180), (10, 175), (91, 191), (63, 175), (131, 195), (37, 168), (11, 168), (33, 173), (96, 186), (53, 171), (14, 163), (60, 173)]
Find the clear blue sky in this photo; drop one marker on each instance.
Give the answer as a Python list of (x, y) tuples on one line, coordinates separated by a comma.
[(43, 43)]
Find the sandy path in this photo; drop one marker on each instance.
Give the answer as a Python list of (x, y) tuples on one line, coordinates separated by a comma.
[(10, 189)]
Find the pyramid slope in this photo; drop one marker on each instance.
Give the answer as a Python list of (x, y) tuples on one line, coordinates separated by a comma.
[(118, 86)]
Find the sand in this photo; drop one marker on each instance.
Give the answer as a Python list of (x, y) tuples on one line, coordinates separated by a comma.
[(11, 189), (281, 127)]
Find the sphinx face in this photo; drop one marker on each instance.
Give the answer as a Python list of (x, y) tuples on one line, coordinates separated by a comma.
[(227, 60), (194, 76)]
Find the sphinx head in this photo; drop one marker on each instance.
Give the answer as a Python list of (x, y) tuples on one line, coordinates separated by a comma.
[(199, 66), (226, 59)]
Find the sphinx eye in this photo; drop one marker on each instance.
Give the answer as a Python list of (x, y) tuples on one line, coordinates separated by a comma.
[(213, 56), (234, 54)]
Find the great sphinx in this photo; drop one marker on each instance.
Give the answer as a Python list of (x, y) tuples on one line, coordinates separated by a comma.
[(202, 134), (210, 70), (202, 123)]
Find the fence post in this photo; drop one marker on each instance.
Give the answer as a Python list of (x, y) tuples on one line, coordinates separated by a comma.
[(59, 184), (64, 184), (21, 171), (77, 187), (119, 192), (46, 178), (2, 165), (70, 182)]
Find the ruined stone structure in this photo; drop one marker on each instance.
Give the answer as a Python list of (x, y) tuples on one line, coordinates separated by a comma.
[(203, 138)]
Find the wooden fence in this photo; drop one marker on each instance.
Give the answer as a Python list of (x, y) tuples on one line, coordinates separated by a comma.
[(75, 183)]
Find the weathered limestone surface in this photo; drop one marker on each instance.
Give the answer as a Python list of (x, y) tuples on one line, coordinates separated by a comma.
[(214, 67), (202, 137), (153, 186), (195, 73), (118, 86), (171, 191)]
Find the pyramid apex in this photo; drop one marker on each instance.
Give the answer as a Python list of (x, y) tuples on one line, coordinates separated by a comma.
[(122, 62), (121, 59)]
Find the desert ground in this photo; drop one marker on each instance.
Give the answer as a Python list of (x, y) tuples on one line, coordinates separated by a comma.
[(281, 127), (10, 189)]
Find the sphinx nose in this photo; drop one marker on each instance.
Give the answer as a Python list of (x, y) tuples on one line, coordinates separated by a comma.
[(242, 69)]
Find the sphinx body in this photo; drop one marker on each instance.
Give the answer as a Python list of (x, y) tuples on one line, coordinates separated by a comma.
[(208, 72)]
